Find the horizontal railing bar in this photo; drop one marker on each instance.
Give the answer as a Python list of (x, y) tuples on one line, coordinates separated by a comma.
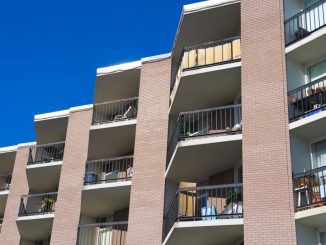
[(116, 101), (110, 159), (104, 224), (307, 85), (48, 144), (202, 45), (312, 171), (6, 175), (41, 194), (210, 187), (211, 109)]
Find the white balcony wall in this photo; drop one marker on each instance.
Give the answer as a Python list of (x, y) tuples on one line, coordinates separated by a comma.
[(306, 235), (300, 152), (295, 74)]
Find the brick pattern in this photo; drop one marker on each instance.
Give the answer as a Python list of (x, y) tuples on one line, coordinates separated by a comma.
[(268, 197), (19, 186), (68, 205), (147, 191)]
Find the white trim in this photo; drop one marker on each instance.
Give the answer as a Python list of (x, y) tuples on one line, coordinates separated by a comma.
[(156, 58), (81, 108), (116, 184), (44, 165), (8, 149), (114, 124), (305, 40), (36, 216), (307, 120), (118, 68), (4, 192), (26, 144), (51, 115)]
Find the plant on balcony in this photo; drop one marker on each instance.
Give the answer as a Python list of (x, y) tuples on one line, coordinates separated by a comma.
[(233, 196)]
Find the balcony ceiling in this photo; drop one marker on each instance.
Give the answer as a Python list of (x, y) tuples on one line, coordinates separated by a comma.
[(51, 130), (309, 49), (195, 160), (104, 199), (118, 85), (221, 232), (311, 127), (111, 140), (205, 22), (7, 162), (207, 87), (43, 178)]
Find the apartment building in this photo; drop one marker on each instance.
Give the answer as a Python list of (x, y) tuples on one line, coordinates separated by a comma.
[(222, 141)]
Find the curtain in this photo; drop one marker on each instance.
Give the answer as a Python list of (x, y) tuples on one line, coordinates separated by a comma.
[(317, 71), (319, 160)]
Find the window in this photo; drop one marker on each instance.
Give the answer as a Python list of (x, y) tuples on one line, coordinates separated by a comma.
[(317, 71), (323, 238), (319, 153)]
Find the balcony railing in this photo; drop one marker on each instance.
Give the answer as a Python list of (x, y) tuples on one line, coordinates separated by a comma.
[(103, 233), (306, 22), (115, 111), (37, 204), (204, 203), (5, 180), (207, 54), (108, 170), (308, 99), (1, 221), (310, 189), (46, 153), (220, 120)]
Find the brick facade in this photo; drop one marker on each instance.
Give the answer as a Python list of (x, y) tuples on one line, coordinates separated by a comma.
[(268, 197), (19, 186), (68, 205), (147, 191)]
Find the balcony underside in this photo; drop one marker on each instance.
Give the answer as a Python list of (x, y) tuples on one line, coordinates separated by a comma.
[(35, 227), (195, 159), (104, 199), (51, 130), (207, 87), (310, 127), (44, 177), (111, 139), (221, 232), (315, 217), (308, 49), (7, 161)]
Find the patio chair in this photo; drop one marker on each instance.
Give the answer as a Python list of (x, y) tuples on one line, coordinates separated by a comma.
[(128, 114)]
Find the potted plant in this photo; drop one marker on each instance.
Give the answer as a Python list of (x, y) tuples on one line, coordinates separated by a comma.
[(233, 196)]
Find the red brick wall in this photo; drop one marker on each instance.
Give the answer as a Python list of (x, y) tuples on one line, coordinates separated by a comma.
[(68, 205), (19, 186), (147, 191), (268, 197)]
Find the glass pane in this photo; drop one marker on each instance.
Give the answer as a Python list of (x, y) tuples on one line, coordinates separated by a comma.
[(317, 71), (319, 154), (323, 238)]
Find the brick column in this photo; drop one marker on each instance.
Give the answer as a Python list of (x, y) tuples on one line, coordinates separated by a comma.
[(268, 196), (19, 186), (68, 205), (147, 191)]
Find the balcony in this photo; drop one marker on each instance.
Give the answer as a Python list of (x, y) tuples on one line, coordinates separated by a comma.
[(35, 217), (44, 167), (305, 23), (204, 215), (102, 233), (5, 180), (310, 197), (107, 185), (307, 101), (202, 135), (203, 70), (115, 111)]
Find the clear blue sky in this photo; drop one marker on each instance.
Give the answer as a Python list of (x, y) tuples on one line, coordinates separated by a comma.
[(50, 49)]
